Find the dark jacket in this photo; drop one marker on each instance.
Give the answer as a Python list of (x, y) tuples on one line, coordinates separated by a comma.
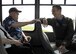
[(63, 29)]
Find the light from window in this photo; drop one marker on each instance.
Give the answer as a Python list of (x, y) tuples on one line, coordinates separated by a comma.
[(45, 1), (7, 2), (45, 11), (27, 14), (58, 1), (68, 11), (17, 1), (28, 1), (70, 1)]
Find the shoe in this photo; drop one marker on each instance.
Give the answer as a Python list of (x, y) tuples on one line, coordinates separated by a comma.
[(64, 50), (57, 52)]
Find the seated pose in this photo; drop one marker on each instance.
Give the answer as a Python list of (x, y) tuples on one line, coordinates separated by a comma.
[(13, 27), (62, 26), (5, 40)]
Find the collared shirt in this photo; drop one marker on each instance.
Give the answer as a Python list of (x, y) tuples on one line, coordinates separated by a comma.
[(14, 32)]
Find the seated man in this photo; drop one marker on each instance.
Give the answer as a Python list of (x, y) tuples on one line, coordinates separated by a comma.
[(5, 40), (62, 26), (13, 27)]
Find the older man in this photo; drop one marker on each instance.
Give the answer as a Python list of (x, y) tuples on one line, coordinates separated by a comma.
[(13, 27), (6, 41)]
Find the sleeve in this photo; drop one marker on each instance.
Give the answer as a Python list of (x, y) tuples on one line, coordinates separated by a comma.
[(7, 33), (50, 21), (41, 19), (70, 32), (7, 24), (2, 34), (10, 23)]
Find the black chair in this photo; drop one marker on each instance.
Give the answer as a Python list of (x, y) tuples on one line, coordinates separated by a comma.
[(44, 39)]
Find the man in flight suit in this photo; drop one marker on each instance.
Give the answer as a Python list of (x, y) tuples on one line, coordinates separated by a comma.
[(62, 27)]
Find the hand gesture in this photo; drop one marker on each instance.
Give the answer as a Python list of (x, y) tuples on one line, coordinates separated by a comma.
[(17, 42), (27, 39), (62, 49), (45, 23), (36, 20)]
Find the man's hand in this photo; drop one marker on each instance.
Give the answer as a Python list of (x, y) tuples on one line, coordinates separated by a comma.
[(17, 42), (33, 21), (62, 49), (45, 23), (36, 20), (27, 39)]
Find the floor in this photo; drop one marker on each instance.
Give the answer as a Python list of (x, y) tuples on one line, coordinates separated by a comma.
[(69, 52)]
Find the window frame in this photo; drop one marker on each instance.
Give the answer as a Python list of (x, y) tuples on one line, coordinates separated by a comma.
[(37, 6)]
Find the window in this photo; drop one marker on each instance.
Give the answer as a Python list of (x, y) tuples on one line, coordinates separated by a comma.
[(27, 14), (68, 11), (7, 2), (58, 1), (17, 1), (28, 1), (28, 10), (70, 1), (45, 11), (45, 1)]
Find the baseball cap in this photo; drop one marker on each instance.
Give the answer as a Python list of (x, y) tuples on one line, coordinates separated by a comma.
[(14, 10)]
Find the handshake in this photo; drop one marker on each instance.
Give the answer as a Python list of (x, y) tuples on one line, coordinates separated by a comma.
[(42, 21)]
